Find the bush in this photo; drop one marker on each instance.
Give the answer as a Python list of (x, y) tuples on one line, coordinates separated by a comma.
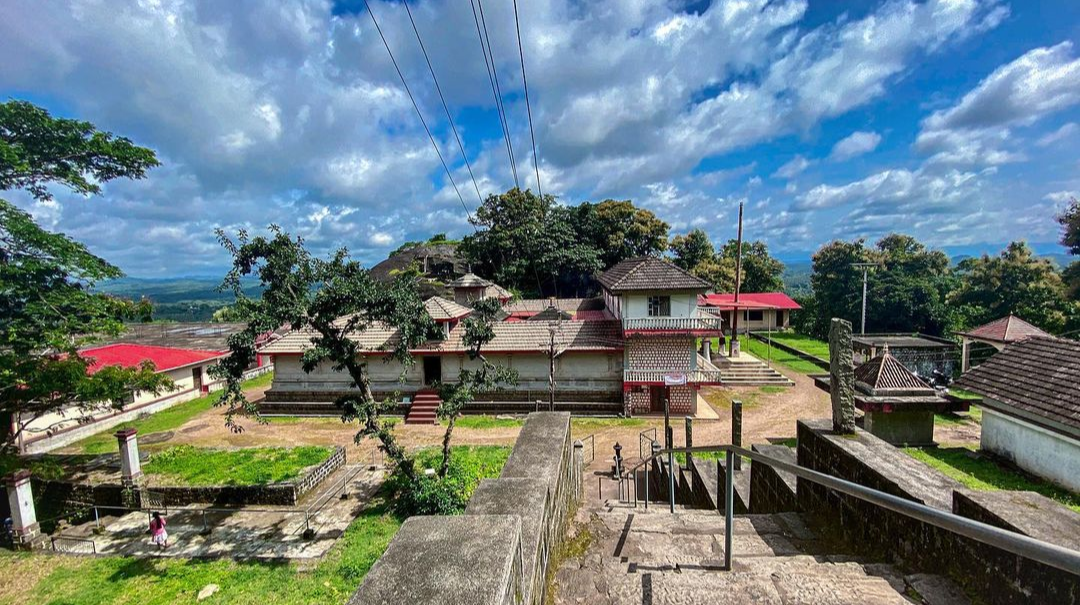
[(426, 495)]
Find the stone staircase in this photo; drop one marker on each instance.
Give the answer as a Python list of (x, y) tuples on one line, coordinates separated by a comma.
[(747, 370), (656, 557), (424, 406)]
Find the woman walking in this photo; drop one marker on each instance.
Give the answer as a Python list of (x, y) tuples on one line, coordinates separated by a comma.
[(158, 535)]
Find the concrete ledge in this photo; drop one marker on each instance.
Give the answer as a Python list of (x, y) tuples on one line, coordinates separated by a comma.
[(464, 560), (1027, 513), (772, 490), (526, 498)]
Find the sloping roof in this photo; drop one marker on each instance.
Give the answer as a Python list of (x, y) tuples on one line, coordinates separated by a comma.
[(649, 273), (1036, 379), (884, 375), (551, 314), (767, 300), (132, 355), (1006, 329), (522, 336), (441, 309), (529, 306), (497, 291), (470, 280)]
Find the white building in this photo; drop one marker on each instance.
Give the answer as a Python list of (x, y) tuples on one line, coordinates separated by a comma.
[(1031, 412)]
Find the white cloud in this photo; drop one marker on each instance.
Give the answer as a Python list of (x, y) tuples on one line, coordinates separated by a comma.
[(1066, 131), (1062, 197), (855, 144), (794, 167)]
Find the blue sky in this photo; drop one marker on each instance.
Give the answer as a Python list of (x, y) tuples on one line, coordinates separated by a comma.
[(957, 121)]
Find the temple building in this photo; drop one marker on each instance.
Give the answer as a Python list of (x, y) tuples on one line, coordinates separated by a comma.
[(627, 351)]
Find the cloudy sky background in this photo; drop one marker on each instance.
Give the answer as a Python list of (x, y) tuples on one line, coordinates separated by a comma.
[(953, 120)]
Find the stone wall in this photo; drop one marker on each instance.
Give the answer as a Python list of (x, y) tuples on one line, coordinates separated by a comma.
[(312, 478), (771, 490), (498, 552), (995, 575)]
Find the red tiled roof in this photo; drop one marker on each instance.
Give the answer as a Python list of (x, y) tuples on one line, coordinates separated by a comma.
[(442, 310), (132, 355), (593, 315), (767, 300), (1007, 329)]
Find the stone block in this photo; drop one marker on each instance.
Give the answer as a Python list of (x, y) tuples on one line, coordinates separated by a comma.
[(842, 376), (772, 490), (901, 428)]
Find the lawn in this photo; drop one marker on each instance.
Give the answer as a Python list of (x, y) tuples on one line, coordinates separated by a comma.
[(485, 422), (165, 420), (52, 580), (761, 351), (806, 344), (985, 474), (188, 465), (596, 424), (103, 580)]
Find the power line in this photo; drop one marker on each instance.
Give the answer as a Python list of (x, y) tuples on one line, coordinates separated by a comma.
[(528, 107), (496, 90), (443, 100), (418, 114)]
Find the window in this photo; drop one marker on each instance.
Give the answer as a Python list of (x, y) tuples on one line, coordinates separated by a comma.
[(755, 315), (659, 306)]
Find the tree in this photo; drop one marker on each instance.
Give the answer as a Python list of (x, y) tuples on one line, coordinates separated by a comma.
[(836, 285), (619, 231), (690, 250), (908, 292), (1015, 281), (528, 243), (479, 331), (1070, 238), (760, 272), (333, 300), (48, 310)]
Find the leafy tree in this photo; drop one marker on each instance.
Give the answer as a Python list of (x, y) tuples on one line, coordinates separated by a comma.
[(1015, 281), (227, 314), (690, 250), (1069, 220), (836, 285), (529, 244), (37, 150), (48, 310), (479, 330), (332, 300), (760, 272), (908, 292), (619, 230)]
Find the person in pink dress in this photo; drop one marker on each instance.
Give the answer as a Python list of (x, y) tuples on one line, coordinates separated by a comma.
[(158, 535)]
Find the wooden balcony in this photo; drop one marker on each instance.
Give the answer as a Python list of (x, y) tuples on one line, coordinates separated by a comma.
[(702, 324), (657, 376)]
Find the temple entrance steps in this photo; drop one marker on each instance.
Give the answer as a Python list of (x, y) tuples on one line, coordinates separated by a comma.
[(663, 558), (747, 370), (424, 406)]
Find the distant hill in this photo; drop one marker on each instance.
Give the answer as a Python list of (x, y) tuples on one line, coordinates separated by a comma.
[(180, 298)]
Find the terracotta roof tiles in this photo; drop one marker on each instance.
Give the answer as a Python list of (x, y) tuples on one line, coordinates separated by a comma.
[(1007, 329), (649, 273)]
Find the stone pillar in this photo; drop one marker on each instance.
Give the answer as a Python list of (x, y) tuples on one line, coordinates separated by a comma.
[(841, 376), (689, 439), (965, 355), (27, 533), (130, 467), (736, 429)]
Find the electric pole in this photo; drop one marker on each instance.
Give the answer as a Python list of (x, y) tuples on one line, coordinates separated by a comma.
[(865, 268), (738, 278)]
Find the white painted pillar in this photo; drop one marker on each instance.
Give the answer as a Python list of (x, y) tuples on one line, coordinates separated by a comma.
[(130, 468), (965, 354), (23, 515)]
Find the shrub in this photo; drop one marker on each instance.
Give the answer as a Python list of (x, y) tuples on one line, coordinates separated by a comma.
[(430, 495)]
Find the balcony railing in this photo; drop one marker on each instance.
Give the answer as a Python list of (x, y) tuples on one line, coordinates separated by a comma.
[(662, 376), (700, 323)]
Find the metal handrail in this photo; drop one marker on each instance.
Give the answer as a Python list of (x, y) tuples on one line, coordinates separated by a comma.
[(53, 539), (1017, 544)]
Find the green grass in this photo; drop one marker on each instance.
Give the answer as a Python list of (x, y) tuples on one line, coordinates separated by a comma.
[(47, 467), (188, 465), (772, 388), (761, 351), (165, 420), (806, 344), (985, 474), (476, 461), (104, 580), (593, 424), (485, 422)]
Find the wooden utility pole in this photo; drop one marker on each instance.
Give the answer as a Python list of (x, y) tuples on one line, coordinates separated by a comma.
[(738, 279)]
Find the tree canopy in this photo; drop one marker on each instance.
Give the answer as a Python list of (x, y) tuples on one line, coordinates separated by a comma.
[(48, 310), (760, 271)]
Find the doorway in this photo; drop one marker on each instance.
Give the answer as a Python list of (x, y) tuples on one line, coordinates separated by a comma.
[(432, 370), (196, 378), (656, 399)]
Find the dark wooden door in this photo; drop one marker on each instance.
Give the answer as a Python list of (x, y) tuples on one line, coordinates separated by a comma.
[(432, 369), (656, 398), (196, 378)]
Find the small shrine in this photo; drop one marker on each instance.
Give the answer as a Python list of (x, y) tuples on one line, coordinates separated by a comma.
[(897, 405)]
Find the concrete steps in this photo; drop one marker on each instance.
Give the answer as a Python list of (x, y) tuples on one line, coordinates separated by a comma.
[(750, 372), (661, 558), (423, 410)]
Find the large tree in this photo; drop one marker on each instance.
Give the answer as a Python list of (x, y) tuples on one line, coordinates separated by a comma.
[(48, 310), (907, 292), (530, 244), (1070, 238), (760, 272), (694, 252), (619, 230), (1015, 281), (836, 284)]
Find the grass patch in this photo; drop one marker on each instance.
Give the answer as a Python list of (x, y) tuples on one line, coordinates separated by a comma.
[(720, 399), (789, 442), (165, 420), (486, 422), (590, 424), (772, 388), (47, 467), (188, 465), (104, 580), (469, 464), (985, 474), (761, 351), (806, 344)]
